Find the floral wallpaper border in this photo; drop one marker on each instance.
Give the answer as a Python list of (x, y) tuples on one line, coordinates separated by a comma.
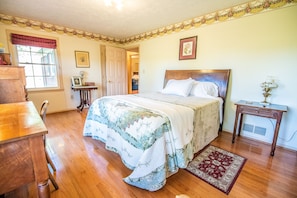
[(252, 7)]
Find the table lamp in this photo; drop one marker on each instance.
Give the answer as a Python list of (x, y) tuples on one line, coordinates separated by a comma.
[(267, 87)]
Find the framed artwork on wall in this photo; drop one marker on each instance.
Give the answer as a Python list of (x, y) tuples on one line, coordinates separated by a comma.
[(82, 59), (187, 48), (76, 81)]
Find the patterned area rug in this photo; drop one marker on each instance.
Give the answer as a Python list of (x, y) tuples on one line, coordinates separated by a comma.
[(217, 167)]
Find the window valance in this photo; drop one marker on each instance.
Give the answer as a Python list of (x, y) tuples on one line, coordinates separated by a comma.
[(19, 39)]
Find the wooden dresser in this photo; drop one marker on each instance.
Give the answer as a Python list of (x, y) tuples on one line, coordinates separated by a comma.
[(12, 84), (22, 154)]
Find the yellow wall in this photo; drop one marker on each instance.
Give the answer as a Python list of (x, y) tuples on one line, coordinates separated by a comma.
[(253, 47)]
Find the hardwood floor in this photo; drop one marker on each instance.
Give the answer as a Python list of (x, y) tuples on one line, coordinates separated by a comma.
[(86, 169)]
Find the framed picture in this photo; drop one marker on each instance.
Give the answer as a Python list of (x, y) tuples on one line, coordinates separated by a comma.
[(187, 48), (76, 81), (82, 59)]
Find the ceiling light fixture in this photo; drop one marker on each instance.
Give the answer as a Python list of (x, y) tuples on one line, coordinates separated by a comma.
[(117, 3)]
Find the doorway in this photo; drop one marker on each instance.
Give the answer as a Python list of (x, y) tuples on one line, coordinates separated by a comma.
[(119, 70), (133, 70)]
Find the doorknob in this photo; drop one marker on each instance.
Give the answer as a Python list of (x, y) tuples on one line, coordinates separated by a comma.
[(109, 81)]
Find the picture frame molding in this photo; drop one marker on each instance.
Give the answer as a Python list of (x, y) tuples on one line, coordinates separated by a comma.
[(76, 81), (82, 59), (188, 48)]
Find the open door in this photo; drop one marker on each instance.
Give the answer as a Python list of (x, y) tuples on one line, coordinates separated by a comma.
[(133, 70)]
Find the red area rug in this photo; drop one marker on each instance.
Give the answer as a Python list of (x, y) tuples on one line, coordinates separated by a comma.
[(217, 167)]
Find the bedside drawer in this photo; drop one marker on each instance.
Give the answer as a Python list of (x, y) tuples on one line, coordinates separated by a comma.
[(249, 110), (265, 111), (257, 111)]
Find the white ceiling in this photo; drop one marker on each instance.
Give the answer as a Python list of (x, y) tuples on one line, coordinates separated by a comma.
[(136, 16)]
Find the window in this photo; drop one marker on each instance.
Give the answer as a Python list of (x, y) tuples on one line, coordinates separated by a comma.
[(40, 66), (38, 56)]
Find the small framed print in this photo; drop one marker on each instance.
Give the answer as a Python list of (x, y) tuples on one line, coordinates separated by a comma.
[(76, 81), (82, 59), (187, 48)]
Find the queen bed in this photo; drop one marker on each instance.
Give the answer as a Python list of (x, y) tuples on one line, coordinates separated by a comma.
[(157, 133)]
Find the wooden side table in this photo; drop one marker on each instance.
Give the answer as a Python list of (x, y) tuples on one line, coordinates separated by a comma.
[(257, 109), (85, 95)]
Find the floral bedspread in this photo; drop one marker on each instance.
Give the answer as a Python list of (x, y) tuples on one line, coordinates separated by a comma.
[(153, 138)]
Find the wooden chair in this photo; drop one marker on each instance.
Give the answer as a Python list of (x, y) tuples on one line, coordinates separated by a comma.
[(43, 110)]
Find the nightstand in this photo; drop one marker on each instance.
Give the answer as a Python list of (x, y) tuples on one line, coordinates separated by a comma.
[(257, 109)]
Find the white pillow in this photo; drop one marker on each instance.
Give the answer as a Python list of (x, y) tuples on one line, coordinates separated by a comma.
[(201, 89), (178, 87)]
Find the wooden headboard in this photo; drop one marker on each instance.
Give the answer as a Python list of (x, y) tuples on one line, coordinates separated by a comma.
[(219, 77)]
